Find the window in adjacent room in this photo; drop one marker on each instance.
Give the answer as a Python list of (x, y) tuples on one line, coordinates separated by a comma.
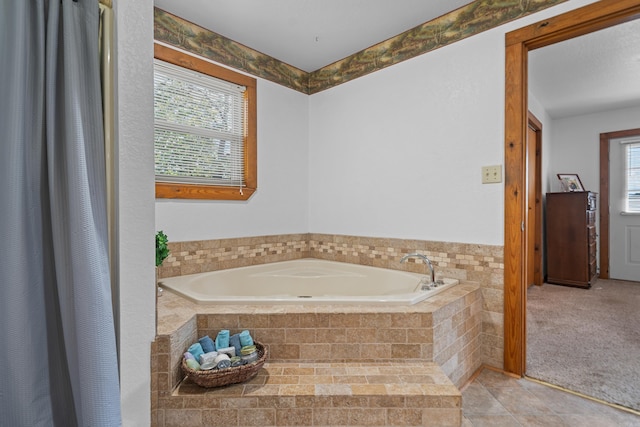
[(632, 187), (205, 129)]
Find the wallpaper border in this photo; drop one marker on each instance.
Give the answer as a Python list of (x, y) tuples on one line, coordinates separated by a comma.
[(467, 21)]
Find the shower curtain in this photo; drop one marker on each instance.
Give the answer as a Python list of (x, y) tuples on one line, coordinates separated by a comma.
[(58, 358)]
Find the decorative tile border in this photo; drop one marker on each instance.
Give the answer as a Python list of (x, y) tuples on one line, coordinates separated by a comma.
[(467, 21), (211, 255)]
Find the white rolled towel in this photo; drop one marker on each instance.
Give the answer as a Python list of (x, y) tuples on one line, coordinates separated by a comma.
[(208, 357), (229, 351)]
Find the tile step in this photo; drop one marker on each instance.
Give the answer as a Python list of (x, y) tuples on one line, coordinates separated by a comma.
[(329, 394)]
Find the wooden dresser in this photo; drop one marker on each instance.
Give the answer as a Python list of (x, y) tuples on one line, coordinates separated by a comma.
[(571, 238)]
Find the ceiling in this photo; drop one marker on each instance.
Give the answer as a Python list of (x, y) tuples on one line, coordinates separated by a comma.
[(309, 34), (595, 72)]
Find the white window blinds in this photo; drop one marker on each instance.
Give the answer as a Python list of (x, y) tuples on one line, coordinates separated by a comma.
[(632, 155), (199, 127)]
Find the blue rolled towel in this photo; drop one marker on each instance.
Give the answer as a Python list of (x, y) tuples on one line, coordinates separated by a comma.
[(207, 344), (245, 338), (222, 340), (234, 341), (196, 350)]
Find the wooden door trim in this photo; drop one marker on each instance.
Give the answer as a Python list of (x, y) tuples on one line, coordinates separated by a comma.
[(593, 17), (536, 125), (605, 141)]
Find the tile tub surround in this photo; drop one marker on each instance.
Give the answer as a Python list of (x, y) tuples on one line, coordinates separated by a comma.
[(482, 264), (444, 329)]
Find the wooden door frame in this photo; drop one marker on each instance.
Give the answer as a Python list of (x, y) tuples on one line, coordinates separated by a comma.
[(584, 20), (605, 141), (536, 125)]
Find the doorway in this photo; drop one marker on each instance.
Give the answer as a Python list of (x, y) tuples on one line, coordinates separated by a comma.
[(581, 21), (617, 243)]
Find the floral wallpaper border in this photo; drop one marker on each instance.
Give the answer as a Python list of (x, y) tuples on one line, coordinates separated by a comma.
[(467, 21), (474, 18), (183, 34)]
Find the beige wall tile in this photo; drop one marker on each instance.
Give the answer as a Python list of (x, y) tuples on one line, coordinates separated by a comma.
[(315, 351), (330, 416), (182, 417), (361, 335), (367, 416), (257, 417), (284, 351), (294, 417), (300, 336), (333, 335), (219, 417), (404, 417)]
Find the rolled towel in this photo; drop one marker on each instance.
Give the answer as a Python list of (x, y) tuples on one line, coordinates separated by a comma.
[(248, 350), (207, 366), (208, 357), (188, 356), (196, 350), (245, 338), (234, 340), (222, 340), (229, 351), (223, 361), (207, 344), (193, 364), (236, 361), (250, 358)]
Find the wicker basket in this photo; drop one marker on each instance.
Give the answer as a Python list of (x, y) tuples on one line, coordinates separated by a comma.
[(233, 375)]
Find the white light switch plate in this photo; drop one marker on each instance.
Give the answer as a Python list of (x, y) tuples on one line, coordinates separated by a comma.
[(491, 174)]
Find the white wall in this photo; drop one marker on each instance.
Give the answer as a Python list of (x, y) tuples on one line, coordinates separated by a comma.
[(547, 124), (134, 115), (575, 143), (279, 206), (398, 153)]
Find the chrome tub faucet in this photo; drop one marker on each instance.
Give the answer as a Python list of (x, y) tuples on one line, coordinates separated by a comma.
[(426, 261)]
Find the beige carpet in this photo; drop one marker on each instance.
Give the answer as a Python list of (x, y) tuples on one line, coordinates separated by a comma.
[(587, 340)]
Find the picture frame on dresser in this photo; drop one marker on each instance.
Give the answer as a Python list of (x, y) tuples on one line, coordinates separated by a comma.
[(570, 182)]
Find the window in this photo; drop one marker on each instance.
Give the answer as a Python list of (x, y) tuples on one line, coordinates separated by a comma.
[(632, 181), (205, 129)]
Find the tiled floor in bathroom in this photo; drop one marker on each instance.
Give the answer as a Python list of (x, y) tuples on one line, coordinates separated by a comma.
[(496, 400)]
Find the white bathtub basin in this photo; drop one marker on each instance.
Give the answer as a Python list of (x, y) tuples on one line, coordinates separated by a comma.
[(304, 281)]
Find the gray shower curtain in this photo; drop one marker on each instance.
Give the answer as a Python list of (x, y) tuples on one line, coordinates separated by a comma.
[(58, 358)]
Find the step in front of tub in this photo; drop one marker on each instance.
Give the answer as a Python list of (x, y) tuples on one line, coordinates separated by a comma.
[(322, 394)]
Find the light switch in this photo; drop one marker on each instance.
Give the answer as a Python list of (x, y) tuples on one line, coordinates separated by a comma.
[(491, 174)]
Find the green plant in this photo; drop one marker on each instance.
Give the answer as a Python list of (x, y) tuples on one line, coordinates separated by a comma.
[(162, 250)]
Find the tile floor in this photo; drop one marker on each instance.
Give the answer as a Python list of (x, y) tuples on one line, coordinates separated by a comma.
[(496, 400)]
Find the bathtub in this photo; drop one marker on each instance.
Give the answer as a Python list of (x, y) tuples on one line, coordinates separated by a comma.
[(304, 281)]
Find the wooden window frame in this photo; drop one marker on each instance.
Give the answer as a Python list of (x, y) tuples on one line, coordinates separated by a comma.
[(174, 190)]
